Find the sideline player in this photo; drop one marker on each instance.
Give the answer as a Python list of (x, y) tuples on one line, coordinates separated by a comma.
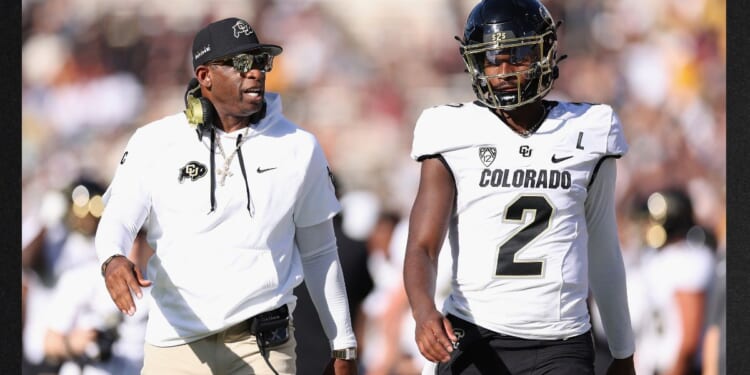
[(524, 188)]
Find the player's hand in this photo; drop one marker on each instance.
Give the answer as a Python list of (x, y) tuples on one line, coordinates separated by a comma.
[(622, 366), (78, 339), (341, 367), (434, 336), (122, 277)]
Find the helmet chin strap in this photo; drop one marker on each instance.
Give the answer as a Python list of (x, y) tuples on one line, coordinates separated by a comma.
[(556, 69)]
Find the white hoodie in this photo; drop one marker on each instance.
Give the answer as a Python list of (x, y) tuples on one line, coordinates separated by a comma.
[(213, 269)]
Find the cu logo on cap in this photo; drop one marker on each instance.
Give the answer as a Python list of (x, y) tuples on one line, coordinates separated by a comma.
[(241, 28)]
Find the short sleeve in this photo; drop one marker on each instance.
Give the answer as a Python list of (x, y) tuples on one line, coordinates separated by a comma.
[(436, 131), (616, 144), (694, 269), (419, 142), (428, 134)]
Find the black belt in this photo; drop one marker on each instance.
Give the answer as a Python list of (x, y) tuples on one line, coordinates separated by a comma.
[(270, 329), (279, 313)]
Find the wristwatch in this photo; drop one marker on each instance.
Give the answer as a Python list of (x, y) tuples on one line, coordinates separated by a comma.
[(345, 354), (106, 262)]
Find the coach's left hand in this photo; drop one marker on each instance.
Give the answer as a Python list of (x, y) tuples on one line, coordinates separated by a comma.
[(123, 279), (622, 366), (341, 367)]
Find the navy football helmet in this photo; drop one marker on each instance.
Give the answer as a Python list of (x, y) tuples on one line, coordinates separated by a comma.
[(521, 29)]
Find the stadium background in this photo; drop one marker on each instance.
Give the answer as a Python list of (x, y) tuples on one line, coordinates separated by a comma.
[(357, 74)]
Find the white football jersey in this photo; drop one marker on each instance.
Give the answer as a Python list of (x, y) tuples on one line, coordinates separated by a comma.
[(518, 235), (677, 267)]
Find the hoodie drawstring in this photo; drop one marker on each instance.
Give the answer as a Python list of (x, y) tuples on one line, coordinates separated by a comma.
[(250, 205), (213, 168)]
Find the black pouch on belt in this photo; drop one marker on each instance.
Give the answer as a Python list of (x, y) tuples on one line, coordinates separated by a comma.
[(271, 328)]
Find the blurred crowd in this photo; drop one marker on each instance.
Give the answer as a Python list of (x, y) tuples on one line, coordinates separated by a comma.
[(357, 74)]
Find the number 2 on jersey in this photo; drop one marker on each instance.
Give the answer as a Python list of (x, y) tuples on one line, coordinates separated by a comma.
[(507, 263)]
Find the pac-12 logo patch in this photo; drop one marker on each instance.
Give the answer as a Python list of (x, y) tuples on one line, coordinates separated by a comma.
[(192, 170), (487, 155)]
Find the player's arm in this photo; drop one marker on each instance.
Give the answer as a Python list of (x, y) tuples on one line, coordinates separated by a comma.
[(325, 283), (127, 206), (606, 268), (428, 225), (63, 338), (121, 276), (690, 304)]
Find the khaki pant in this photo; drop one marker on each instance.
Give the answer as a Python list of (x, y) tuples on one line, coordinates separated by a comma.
[(231, 352)]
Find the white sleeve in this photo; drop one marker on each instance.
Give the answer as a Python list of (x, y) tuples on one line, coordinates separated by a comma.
[(127, 201), (325, 282), (66, 302), (606, 268), (420, 145), (317, 201), (694, 269), (429, 134), (616, 143)]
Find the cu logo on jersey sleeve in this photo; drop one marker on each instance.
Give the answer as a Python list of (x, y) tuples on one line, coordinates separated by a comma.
[(192, 170), (487, 155)]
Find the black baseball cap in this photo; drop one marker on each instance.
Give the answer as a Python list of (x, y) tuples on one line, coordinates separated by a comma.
[(225, 38)]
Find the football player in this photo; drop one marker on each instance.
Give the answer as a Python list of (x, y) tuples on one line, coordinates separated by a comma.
[(524, 189), (679, 270)]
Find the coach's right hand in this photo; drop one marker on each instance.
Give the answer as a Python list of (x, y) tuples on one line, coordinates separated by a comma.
[(122, 277), (434, 335)]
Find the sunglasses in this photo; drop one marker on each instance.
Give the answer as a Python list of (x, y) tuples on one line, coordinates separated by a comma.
[(244, 62)]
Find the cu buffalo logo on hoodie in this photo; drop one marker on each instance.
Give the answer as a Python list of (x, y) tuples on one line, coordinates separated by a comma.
[(192, 170)]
